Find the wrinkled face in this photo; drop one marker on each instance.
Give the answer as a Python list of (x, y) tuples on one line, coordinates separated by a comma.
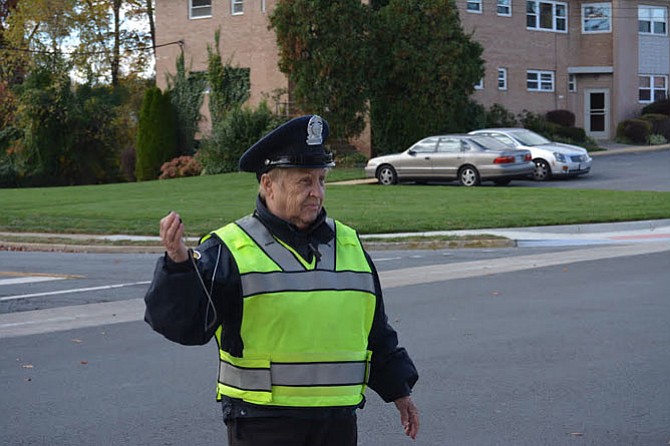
[(294, 194)]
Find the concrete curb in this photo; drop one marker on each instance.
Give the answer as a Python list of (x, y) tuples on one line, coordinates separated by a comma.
[(429, 244)]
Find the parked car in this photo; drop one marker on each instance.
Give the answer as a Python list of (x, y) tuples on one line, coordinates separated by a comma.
[(551, 159), (470, 159)]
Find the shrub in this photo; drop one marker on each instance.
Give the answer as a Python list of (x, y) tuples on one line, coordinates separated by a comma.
[(182, 166), (499, 116), (346, 155), (660, 124), (656, 139), (239, 129), (662, 107), (564, 118), (634, 130), (575, 134), (535, 122)]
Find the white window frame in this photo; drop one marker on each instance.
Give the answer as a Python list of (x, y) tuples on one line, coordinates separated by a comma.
[(480, 84), (502, 78), (263, 6), (194, 11), (654, 92), (504, 8), (645, 13), (236, 7), (596, 11), (545, 81), (572, 83), (559, 23), (477, 4)]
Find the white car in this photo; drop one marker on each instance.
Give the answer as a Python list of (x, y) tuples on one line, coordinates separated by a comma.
[(551, 159)]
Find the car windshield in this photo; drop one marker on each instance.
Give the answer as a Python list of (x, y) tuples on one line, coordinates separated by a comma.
[(528, 138), (488, 142)]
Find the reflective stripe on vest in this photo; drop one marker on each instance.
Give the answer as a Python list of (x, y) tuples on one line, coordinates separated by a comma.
[(294, 374), (259, 283), (285, 258), (291, 311)]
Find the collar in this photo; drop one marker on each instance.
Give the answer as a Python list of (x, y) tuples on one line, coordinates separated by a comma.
[(317, 233)]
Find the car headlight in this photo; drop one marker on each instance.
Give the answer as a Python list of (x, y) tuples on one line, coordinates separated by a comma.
[(559, 157)]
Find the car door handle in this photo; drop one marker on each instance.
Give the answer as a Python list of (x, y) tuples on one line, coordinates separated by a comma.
[(426, 158)]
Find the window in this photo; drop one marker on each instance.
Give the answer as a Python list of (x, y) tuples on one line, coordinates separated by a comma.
[(653, 20), (653, 88), (425, 145), (480, 85), (236, 7), (502, 78), (540, 80), (547, 15), (198, 9), (504, 7), (572, 83), (596, 18), (474, 6), (263, 6), (449, 145)]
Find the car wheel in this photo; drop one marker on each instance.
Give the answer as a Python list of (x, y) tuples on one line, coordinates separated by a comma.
[(504, 182), (468, 176), (542, 171), (386, 175)]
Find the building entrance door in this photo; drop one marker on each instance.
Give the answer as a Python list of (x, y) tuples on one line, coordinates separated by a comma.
[(597, 113)]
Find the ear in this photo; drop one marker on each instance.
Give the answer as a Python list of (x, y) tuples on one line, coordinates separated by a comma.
[(266, 184)]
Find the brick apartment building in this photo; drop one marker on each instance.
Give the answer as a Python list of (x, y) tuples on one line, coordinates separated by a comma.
[(603, 60)]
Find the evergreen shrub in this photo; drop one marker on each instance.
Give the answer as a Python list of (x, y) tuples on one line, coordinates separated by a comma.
[(634, 130), (662, 106), (564, 118), (660, 124)]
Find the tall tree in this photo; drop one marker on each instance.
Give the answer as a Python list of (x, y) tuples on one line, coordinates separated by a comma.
[(156, 141), (101, 38), (324, 50), (425, 69)]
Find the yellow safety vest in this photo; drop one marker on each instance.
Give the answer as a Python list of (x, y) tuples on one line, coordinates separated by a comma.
[(304, 326)]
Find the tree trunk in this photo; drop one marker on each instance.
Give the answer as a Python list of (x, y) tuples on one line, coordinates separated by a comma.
[(116, 51), (152, 25)]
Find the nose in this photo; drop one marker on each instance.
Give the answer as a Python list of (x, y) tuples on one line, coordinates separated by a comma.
[(317, 190)]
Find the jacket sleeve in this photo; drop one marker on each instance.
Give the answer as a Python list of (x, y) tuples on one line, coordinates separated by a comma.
[(177, 305), (392, 372)]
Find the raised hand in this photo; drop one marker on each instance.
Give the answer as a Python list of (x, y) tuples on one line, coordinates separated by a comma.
[(172, 236)]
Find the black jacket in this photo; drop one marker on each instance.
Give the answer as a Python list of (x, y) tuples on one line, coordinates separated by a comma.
[(179, 309)]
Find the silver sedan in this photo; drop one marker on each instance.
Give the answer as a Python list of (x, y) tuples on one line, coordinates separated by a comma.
[(552, 159), (470, 159)]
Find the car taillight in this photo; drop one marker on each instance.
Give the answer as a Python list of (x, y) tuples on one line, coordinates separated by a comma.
[(528, 157), (504, 160)]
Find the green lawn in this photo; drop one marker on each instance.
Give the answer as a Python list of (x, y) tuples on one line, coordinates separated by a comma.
[(209, 202)]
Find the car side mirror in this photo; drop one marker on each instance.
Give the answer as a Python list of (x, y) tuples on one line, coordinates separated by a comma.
[(411, 152)]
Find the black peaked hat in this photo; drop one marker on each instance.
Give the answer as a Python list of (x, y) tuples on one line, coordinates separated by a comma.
[(296, 143)]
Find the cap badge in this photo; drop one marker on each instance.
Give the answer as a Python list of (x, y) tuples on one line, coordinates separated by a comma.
[(315, 131)]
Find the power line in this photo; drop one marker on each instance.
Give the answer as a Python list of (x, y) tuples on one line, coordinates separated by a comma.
[(88, 53)]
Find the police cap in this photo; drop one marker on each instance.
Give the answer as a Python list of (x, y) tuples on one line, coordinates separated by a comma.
[(296, 143)]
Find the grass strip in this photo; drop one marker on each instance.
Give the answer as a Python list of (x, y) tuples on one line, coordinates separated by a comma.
[(208, 202)]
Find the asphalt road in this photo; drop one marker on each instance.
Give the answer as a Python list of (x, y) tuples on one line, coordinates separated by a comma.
[(616, 171), (548, 353), (554, 345), (625, 171)]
